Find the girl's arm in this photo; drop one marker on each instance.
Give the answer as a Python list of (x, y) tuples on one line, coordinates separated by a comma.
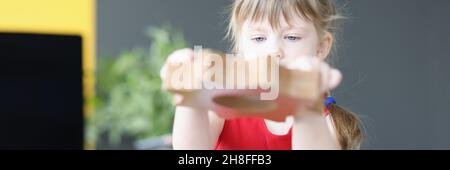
[(313, 131), (195, 129)]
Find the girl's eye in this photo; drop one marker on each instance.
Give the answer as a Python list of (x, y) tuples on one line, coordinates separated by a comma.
[(292, 38), (259, 39)]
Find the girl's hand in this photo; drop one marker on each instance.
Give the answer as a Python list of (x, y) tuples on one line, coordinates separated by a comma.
[(179, 56), (201, 98), (330, 77)]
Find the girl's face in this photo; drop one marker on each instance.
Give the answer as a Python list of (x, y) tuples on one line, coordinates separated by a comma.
[(290, 41)]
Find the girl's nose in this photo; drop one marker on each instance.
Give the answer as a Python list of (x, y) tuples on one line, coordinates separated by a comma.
[(275, 49), (277, 54)]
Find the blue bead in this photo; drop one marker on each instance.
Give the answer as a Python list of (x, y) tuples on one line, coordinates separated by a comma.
[(329, 100)]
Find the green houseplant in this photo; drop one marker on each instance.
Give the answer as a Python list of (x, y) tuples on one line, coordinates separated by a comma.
[(129, 101)]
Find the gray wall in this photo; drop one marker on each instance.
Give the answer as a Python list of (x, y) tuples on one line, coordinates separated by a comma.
[(393, 54), (121, 23)]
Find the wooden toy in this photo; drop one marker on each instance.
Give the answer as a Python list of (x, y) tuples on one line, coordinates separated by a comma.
[(294, 86)]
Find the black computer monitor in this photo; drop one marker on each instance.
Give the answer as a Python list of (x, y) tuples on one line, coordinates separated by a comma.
[(41, 101)]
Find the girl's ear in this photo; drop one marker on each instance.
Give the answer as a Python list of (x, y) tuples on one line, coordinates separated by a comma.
[(325, 45)]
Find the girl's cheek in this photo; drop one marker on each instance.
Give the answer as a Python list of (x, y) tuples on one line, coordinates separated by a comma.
[(251, 50), (248, 51), (301, 49), (293, 51)]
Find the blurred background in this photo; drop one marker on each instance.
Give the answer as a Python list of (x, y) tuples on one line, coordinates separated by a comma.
[(84, 74)]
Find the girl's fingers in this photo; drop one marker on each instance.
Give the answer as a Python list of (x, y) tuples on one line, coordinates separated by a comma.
[(163, 72), (177, 99), (335, 79), (181, 55), (330, 77), (324, 76), (177, 57)]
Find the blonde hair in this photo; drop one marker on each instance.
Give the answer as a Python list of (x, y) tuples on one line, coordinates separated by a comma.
[(323, 14)]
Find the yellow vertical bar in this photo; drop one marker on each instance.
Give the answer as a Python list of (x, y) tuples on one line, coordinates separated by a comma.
[(68, 17)]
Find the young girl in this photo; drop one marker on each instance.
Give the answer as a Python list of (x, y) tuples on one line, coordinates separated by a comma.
[(290, 29)]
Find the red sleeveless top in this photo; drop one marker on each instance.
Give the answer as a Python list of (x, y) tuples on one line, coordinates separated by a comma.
[(251, 134)]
